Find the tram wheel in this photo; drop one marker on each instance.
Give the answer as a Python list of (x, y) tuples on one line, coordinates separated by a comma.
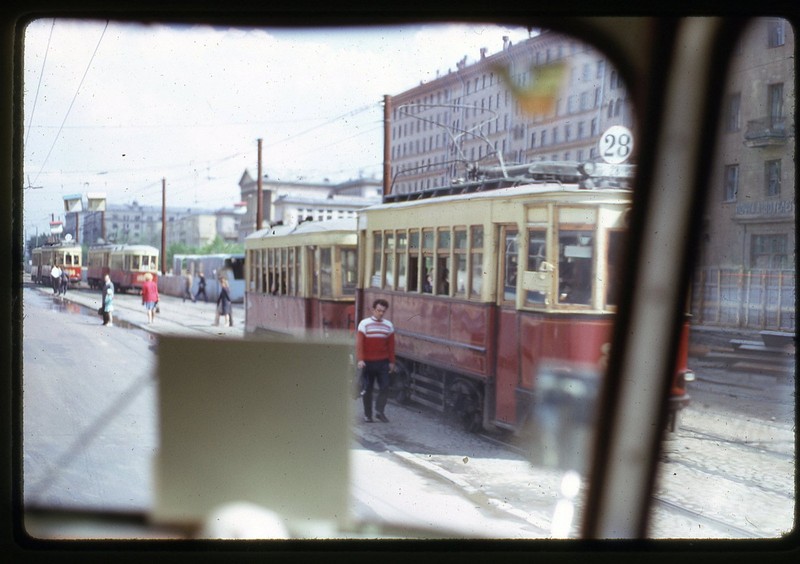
[(464, 403), (401, 384)]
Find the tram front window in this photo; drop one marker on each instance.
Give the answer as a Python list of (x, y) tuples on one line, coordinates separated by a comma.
[(575, 267)]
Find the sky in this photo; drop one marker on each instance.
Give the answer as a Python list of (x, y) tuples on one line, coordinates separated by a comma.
[(119, 108)]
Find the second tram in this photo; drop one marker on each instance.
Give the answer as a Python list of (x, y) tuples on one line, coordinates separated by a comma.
[(127, 265), (302, 278), (66, 255)]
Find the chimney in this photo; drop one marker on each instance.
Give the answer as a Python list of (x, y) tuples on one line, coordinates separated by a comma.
[(506, 42)]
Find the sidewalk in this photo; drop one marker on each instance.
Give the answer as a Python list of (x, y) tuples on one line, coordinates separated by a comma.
[(176, 318)]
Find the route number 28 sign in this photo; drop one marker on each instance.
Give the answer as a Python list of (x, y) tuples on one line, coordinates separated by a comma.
[(616, 144)]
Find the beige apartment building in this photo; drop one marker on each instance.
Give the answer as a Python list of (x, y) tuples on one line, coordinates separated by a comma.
[(470, 117), (747, 252)]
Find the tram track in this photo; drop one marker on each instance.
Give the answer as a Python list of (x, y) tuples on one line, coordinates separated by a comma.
[(758, 447), (702, 519)]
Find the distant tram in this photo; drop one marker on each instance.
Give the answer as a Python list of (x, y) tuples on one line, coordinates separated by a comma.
[(214, 267), (486, 287), (302, 278), (127, 265), (66, 255)]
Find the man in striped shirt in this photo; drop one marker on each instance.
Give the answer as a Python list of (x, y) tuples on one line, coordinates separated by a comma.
[(375, 356)]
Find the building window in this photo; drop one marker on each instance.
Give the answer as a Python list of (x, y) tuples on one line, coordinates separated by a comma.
[(733, 112), (772, 177), (769, 251), (731, 183), (775, 100), (775, 33)]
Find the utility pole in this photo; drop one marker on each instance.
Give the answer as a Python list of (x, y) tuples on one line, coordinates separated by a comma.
[(387, 163), (259, 197), (163, 226)]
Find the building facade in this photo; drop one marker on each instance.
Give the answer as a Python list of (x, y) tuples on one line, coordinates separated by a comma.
[(747, 264), (136, 224), (290, 202), (442, 129)]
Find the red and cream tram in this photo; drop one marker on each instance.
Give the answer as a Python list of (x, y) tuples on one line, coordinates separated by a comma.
[(66, 255), (301, 278), (486, 287), (127, 265)]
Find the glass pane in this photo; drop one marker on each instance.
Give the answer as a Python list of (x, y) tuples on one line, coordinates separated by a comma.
[(576, 251), (510, 266), (734, 443)]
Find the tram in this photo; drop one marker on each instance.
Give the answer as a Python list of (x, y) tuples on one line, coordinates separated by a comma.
[(127, 265), (215, 267), (302, 279), (66, 255), (488, 282)]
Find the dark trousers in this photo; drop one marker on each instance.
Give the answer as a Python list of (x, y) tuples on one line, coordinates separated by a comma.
[(372, 371)]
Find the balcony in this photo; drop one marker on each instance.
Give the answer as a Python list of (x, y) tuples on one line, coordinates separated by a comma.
[(768, 131)]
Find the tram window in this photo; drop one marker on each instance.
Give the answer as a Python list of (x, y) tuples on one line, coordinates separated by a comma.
[(537, 263), (443, 262), (325, 272), (575, 267), (510, 265), (402, 247), (136, 264), (428, 274), (614, 262), (312, 269), (389, 259), (413, 261), (290, 274), (427, 282), (349, 270), (460, 250), (476, 258), (284, 271), (377, 244)]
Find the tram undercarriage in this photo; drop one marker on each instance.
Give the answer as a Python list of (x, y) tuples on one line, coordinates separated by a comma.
[(457, 396)]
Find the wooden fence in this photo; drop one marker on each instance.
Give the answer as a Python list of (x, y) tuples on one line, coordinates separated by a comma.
[(744, 299)]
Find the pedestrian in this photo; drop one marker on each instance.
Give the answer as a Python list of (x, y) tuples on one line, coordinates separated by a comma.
[(150, 297), (64, 282), (187, 288), (55, 275), (201, 288), (375, 356), (223, 304), (108, 301)]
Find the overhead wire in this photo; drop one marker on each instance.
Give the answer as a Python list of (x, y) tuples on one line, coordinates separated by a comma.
[(39, 85), (72, 103)]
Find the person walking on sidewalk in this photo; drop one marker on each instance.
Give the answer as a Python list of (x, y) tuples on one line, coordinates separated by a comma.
[(149, 297), (375, 356), (223, 304), (201, 288), (55, 276), (108, 301), (187, 287)]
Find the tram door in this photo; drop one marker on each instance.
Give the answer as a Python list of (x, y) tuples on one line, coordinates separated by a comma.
[(507, 334)]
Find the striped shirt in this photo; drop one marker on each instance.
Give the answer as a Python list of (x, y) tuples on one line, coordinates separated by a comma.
[(375, 340)]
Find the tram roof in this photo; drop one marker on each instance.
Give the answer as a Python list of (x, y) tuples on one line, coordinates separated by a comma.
[(348, 224), (133, 248), (555, 189)]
